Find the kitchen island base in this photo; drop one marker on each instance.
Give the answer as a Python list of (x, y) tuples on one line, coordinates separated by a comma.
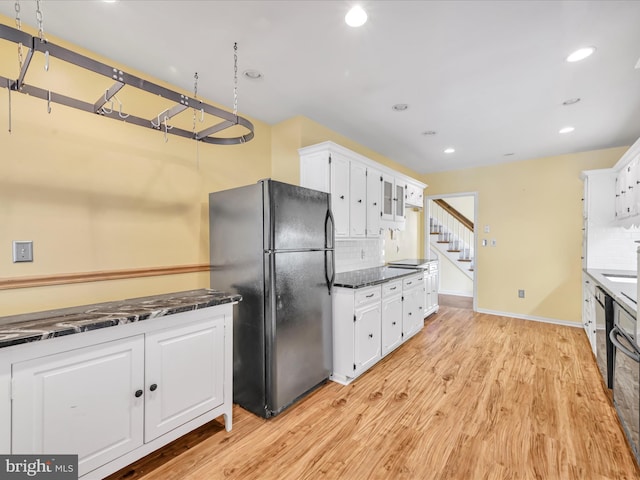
[(114, 395)]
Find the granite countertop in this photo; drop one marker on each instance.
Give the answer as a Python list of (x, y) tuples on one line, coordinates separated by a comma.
[(624, 294), (371, 276), (412, 262), (32, 327)]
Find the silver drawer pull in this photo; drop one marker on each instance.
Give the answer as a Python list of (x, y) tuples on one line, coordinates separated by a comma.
[(369, 296), (393, 288)]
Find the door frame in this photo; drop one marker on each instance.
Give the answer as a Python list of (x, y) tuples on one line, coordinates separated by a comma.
[(427, 235)]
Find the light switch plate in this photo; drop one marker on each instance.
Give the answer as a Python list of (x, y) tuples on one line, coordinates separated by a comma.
[(22, 251)]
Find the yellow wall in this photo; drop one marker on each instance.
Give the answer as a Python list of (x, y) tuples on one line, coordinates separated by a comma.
[(95, 194), (534, 210)]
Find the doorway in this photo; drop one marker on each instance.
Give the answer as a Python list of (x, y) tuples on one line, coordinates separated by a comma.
[(451, 236)]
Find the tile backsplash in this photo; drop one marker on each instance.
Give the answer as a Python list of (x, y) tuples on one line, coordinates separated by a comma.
[(614, 247), (358, 254)]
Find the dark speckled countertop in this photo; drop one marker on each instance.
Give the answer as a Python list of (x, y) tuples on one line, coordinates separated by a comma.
[(32, 327), (370, 276)]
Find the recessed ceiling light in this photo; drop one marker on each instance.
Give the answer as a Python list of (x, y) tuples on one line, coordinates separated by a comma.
[(571, 101), (566, 130), (509, 154), (356, 17), (252, 74), (581, 54), (429, 132), (449, 150), (400, 107)]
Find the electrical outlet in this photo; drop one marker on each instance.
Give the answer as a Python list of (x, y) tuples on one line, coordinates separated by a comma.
[(493, 242), (520, 293), (484, 242), (22, 251)]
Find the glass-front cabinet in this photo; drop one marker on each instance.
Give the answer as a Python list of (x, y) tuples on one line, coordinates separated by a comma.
[(392, 199)]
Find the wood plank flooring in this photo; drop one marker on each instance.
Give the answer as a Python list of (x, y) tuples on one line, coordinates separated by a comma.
[(472, 396), (457, 301)]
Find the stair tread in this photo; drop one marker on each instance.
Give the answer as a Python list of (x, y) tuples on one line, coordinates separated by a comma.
[(465, 260), (454, 251), (442, 241)]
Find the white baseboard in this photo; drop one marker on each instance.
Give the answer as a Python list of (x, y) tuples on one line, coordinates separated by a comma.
[(554, 321), (457, 294)]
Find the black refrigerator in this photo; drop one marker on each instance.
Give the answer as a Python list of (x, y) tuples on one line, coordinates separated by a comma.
[(273, 243)]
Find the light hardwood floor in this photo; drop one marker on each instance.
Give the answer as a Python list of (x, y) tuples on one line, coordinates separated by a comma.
[(472, 396)]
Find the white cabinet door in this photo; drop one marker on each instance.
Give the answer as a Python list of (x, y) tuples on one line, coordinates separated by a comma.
[(358, 200), (340, 194), (87, 402), (315, 171), (391, 322), (398, 200), (367, 336), (413, 195), (388, 191), (374, 203), (184, 374), (428, 280), (633, 186), (412, 306)]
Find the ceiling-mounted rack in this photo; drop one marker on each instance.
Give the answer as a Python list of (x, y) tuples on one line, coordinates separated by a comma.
[(120, 79)]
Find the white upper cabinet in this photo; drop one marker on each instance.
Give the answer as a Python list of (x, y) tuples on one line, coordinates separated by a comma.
[(340, 170), (627, 189), (358, 202), (365, 195), (413, 195), (374, 202)]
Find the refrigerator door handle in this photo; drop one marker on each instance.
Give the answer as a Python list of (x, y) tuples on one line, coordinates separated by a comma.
[(329, 241), (329, 232), (329, 254)]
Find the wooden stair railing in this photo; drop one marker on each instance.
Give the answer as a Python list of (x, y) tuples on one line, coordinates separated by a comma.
[(454, 213)]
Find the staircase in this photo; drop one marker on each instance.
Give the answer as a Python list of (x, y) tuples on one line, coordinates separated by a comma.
[(452, 236)]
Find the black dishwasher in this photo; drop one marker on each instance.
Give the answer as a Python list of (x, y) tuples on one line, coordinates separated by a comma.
[(604, 325)]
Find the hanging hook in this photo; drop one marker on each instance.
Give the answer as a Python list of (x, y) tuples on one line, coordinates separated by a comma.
[(120, 114), (201, 115), (48, 101), (46, 61), (106, 110)]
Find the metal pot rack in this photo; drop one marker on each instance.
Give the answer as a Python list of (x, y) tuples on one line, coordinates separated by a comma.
[(121, 78)]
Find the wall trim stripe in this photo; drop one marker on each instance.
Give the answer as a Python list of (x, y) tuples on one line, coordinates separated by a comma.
[(84, 277), (554, 321)]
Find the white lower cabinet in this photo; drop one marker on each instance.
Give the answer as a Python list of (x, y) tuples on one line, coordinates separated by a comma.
[(370, 322), (431, 283), (116, 394), (81, 402), (367, 335), (391, 316), (589, 310), (412, 305)]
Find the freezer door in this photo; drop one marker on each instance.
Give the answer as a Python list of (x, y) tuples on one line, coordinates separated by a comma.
[(299, 218), (299, 351)]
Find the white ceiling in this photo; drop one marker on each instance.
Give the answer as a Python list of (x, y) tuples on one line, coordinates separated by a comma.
[(488, 76)]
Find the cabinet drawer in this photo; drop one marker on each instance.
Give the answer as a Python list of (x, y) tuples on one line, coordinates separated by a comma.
[(392, 288), (366, 296), (412, 282)]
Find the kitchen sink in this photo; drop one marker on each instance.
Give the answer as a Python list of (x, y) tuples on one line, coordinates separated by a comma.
[(621, 278)]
